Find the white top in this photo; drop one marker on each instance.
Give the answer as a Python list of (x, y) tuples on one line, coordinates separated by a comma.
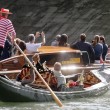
[(60, 77), (32, 47)]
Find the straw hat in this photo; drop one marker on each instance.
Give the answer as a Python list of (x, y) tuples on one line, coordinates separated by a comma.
[(6, 11)]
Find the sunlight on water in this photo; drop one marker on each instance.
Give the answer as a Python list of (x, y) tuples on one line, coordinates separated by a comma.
[(97, 103)]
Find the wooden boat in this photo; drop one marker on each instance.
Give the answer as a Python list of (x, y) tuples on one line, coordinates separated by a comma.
[(96, 82), (51, 54)]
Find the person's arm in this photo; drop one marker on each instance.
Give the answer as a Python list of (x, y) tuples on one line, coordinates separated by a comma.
[(9, 45), (74, 45), (43, 38), (38, 34), (11, 31), (91, 54)]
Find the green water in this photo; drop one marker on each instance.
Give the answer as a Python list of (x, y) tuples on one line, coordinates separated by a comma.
[(96, 103)]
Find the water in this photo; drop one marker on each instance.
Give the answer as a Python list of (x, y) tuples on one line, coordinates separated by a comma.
[(96, 103)]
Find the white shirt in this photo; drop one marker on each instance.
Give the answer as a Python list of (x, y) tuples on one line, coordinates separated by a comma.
[(32, 47), (60, 77)]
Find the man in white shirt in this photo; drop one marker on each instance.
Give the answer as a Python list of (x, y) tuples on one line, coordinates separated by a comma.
[(31, 46)]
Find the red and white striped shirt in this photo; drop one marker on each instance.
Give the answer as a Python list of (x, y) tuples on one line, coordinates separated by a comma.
[(6, 26)]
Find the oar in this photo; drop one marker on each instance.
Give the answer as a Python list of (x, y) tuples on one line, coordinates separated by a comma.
[(9, 71), (82, 68), (52, 93)]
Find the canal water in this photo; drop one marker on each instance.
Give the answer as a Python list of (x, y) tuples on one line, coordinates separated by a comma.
[(93, 103)]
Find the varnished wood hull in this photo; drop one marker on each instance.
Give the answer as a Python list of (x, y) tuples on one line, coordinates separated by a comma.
[(65, 55)]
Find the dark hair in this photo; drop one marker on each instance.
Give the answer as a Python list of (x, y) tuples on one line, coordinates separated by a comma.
[(22, 45), (63, 40), (102, 38), (108, 46), (83, 37), (92, 41)]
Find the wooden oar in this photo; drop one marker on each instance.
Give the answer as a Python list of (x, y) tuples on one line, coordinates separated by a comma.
[(10, 71), (52, 93), (82, 67)]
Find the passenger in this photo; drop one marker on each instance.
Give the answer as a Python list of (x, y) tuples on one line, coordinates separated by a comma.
[(24, 72), (31, 46), (30, 80), (22, 46), (61, 85), (26, 76), (7, 50), (64, 41), (98, 49), (92, 43), (37, 64), (61, 80), (105, 47), (56, 41), (84, 46), (107, 57), (6, 27), (108, 49)]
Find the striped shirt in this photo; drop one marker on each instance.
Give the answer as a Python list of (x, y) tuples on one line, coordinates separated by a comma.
[(6, 26)]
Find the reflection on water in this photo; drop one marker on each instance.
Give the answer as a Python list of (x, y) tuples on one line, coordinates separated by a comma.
[(97, 103)]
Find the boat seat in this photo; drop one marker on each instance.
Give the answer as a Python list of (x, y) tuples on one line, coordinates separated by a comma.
[(90, 79), (48, 77)]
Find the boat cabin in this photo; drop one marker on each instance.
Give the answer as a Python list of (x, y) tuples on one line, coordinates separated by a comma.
[(51, 54)]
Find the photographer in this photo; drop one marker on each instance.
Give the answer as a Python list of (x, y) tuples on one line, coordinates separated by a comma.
[(31, 46)]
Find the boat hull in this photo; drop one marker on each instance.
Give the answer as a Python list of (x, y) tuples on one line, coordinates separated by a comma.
[(15, 92)]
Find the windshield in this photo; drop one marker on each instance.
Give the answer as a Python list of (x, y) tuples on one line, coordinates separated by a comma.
[(65, 58)]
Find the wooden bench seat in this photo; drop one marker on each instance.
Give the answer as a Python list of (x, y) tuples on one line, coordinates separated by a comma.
[(48, 77), (90, 79)]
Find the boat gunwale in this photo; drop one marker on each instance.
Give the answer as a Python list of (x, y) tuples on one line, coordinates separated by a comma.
[(46, 91)]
